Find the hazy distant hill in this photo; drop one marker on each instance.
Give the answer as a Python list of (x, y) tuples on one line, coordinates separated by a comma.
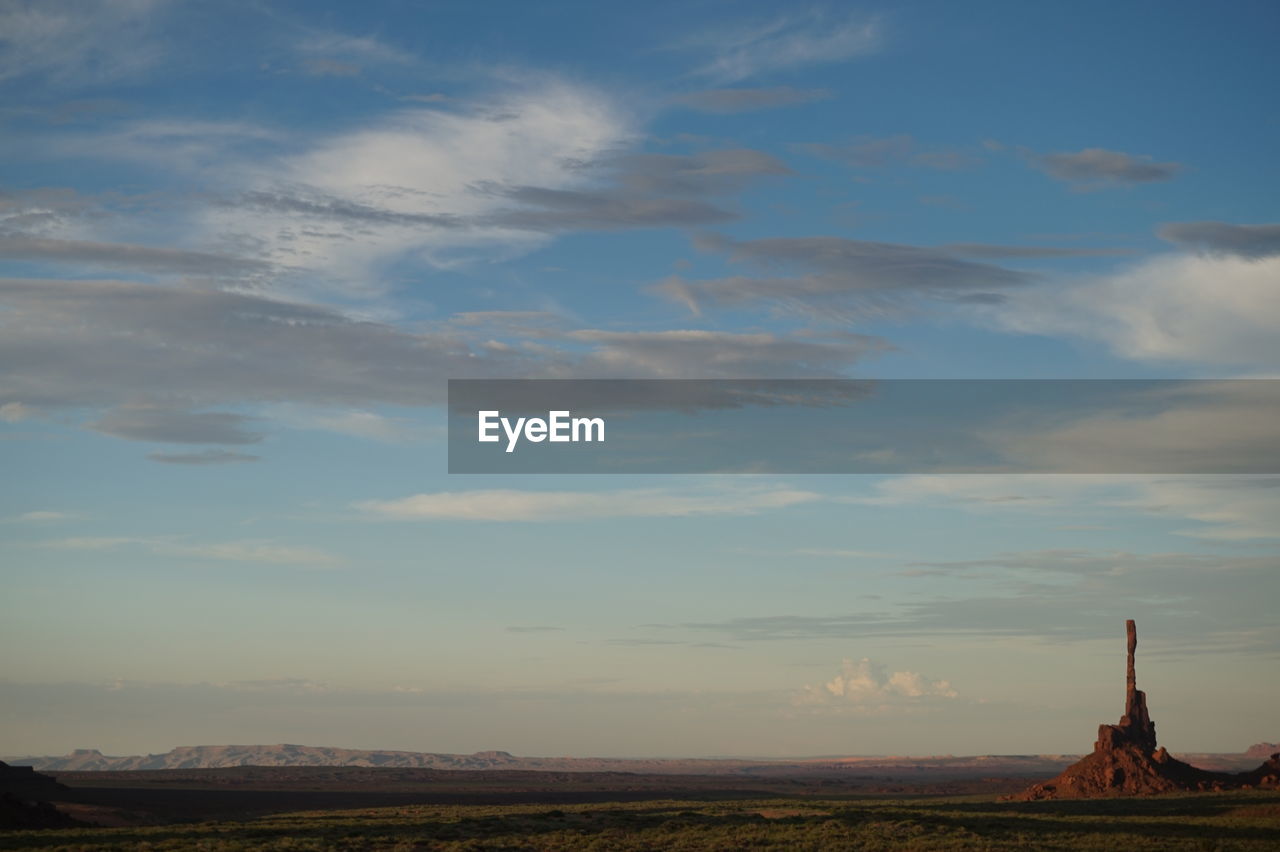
[(218, 757)]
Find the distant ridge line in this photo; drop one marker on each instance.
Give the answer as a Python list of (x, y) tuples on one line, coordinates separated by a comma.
[(288, 754)]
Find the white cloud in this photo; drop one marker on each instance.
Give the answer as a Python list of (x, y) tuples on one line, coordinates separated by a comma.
[(515, 505), (1211, 309), (867, 686)]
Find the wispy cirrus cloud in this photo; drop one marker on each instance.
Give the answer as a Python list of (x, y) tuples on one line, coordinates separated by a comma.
[(698, 353), (181, 146), (552, 506), (741, 99), (487, 177), (1228, 508), (540, 209), (343, 421), (125, 256), (169, 424), (1094, 167), (400, 182), (714, 172), (1222, 238), (259, 552), (42, 516), (795, 40), (203, 457), (871, 152), (326, 53), (988, 251), (93, 344), (367, 48), (1195, 603), (821, 275), (78, 42), (442, 185), (613, 192)]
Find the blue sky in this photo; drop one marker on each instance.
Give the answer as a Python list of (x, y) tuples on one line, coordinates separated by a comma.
[(243, 246)]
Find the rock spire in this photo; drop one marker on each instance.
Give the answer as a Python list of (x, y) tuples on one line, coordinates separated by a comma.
[(1127, 762)]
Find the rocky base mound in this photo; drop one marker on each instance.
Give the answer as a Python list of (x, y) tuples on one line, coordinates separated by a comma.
[(1127, 771), (21, 792), (1127, 762), (1133, 772), (17, 813)]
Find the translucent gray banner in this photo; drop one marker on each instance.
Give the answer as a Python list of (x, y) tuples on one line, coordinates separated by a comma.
[(1138, 426)]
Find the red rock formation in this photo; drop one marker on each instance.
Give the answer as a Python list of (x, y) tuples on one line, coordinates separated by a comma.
[(1127, 762)]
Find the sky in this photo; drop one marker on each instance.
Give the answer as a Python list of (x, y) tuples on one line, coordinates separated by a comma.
[(243, 245)]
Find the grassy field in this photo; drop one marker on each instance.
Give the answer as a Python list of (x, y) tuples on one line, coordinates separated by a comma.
[(1237, 820)]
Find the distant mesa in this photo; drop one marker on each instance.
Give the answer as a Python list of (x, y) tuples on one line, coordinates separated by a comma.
[(284, 754), (1126, 760), (1262, 750)]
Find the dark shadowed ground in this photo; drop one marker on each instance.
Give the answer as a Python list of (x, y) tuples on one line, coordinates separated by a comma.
[(1238, 820), (155, 796)]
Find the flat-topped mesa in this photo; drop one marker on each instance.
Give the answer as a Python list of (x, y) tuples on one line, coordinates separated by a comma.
[(1135, 727)]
